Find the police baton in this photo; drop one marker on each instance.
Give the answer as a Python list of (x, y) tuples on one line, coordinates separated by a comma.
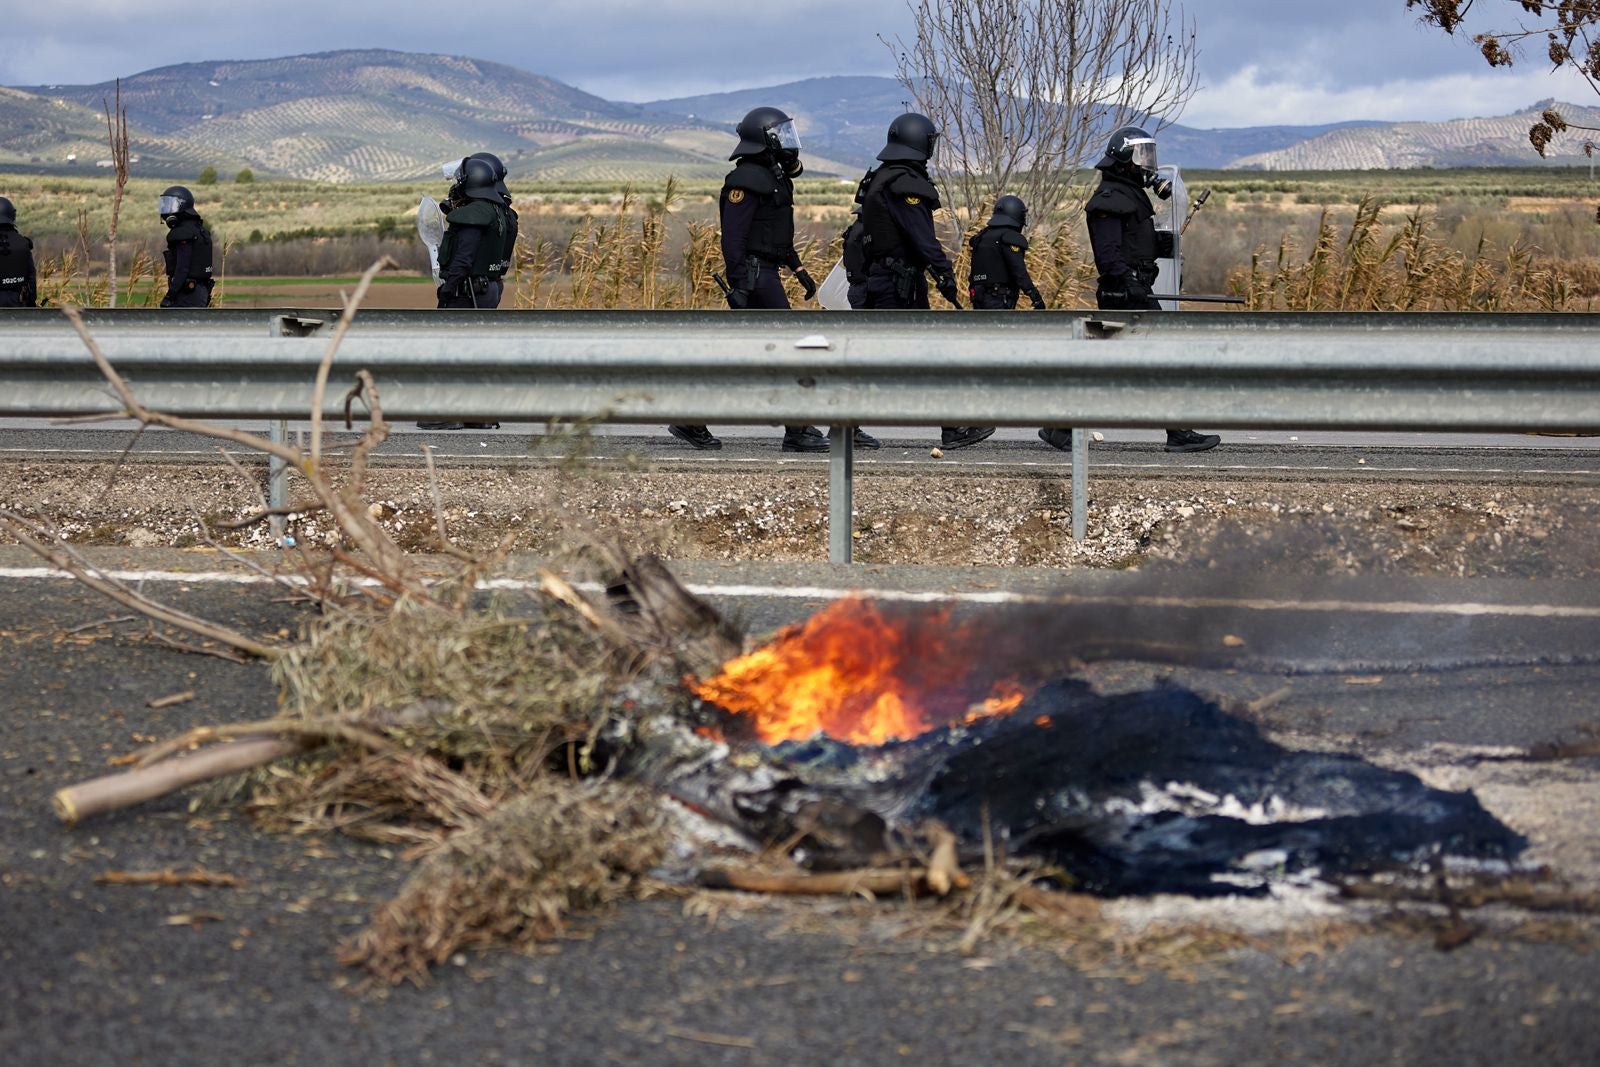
[(727, 291)]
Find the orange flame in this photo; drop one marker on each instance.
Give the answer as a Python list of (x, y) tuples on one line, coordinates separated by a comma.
[(856, 674)]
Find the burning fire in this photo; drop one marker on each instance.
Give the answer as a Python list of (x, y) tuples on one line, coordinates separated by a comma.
[(857, 674)]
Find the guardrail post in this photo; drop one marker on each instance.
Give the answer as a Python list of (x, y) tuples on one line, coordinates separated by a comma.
[(841, 493), (1080, 484), (1080, 462), (278, 429)]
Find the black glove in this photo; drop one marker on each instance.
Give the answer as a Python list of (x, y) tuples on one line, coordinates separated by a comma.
[(738, 298), (1164, 244), (807, 286), (946, 284), (447, 290), (1138, 290), (166, 301), (1036, 299)]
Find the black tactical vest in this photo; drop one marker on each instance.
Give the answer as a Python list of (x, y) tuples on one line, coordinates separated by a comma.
[(1128, 203), (771, 235), (492, 259), (988, 257), (16, 265), (199, 256), (883, 238), (854, 255)]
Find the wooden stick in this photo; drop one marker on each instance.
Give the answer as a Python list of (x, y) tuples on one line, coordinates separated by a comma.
[(117, 791), (833, 883), (171, 877)]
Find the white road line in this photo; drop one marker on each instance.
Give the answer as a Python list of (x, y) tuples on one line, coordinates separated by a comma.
[(814, 592)]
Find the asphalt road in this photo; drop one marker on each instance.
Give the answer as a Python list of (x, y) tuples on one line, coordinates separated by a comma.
[(1525, 459), (93, 974)]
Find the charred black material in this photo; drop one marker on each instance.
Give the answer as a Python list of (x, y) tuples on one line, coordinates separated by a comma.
[(1161, 791)]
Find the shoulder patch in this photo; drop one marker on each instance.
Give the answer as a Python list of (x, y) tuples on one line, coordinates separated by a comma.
[(1015, 248), (913, 200), (735, 196)]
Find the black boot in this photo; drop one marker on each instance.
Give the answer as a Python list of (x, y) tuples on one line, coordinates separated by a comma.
[(797, 439), (1057, 438), (963, 436), (1189, 441), (863, 439), (441, 426), (698, 436)]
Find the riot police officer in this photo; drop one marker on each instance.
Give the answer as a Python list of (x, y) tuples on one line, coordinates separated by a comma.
[(476, 251), (19, 281), (999, 270), (505, 199), (902, 248), (1126, 245), (188, 253), (756, 210)]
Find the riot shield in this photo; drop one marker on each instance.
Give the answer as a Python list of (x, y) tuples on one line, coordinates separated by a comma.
[(1170, 214), (834, 292), (430, 227)]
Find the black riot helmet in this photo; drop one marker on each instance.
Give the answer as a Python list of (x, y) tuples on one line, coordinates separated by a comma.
[(475, 177), (175, 201), (911, 137), (499, 172), (1133, 147), (766, 129), (1010, 211), (8, 212)]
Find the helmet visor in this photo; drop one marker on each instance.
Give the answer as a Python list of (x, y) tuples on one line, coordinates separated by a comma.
[(169, 205), (451, 170), (785, 136), (1144, 154)]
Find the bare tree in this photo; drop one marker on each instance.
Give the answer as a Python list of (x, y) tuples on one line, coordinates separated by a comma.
[(117, 138), (1571, 31), (1025, 90)]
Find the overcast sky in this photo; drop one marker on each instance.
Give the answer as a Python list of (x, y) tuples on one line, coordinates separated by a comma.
[(1263, 62)]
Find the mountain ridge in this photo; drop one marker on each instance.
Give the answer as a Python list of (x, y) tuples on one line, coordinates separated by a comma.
[(379, 114)]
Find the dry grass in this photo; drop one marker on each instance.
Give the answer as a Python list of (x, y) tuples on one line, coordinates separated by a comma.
[(1374, 266), (515, 875)]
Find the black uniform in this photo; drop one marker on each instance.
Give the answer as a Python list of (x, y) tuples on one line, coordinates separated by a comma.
[(1122, 232), (901, 245), (475, 254), (19, 282), (757, 212), (999, 271), (756, 209), (187, 259)]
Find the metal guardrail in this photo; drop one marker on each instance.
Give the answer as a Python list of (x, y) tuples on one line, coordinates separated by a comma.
[(841, 369)]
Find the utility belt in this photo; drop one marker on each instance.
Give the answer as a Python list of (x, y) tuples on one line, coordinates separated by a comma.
[(994, 287), (907, 276), (478, 284)]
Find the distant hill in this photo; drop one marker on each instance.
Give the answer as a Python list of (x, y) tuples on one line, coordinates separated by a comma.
[(380, 115), (1490, 142), (375, 115), (38, 134)]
